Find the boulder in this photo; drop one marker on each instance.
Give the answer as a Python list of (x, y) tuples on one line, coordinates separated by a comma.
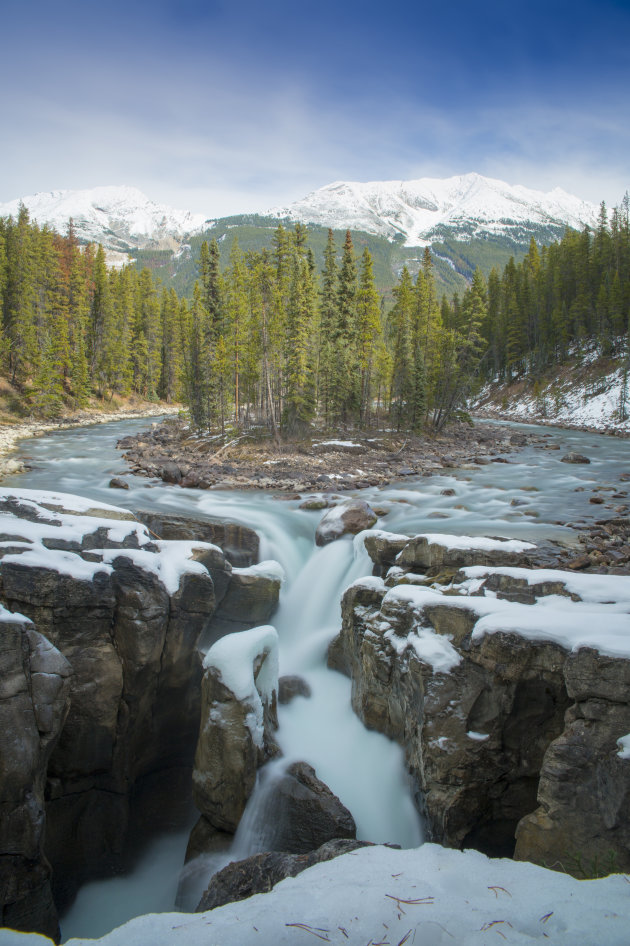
[(238, 716), (315, 504), (291, 686), (302, 813), (573, 457), (351, 516), (423, 552), (239, 543), (383, 548), (251, 598), (261, 872)]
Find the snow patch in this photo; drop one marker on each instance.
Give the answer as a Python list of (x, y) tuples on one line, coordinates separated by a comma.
[(624, 747), (442, 895), (269, 569), (235, 657)]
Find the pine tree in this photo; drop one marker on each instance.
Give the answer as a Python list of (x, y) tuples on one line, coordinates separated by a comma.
[(327, 327), (345, 382), (400, 331), (299, 397), (20, 297), (368, 330)]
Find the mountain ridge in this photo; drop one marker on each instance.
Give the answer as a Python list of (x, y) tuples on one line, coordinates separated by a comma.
[(119, 217), (422, 210), (469, 221)]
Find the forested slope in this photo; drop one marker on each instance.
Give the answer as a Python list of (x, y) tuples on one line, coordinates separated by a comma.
[(272, 338)]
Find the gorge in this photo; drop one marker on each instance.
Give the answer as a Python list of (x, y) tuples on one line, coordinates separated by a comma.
[(520, 499)]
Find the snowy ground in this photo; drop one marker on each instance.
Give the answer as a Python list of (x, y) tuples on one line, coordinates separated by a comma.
[(578, 399), (429, 896)]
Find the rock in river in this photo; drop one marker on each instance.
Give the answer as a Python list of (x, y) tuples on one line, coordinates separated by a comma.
[(352, 516)]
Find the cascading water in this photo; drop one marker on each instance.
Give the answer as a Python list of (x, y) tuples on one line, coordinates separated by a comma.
[(363, 768)]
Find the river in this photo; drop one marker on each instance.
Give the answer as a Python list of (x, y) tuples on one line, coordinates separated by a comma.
[(534, 497)]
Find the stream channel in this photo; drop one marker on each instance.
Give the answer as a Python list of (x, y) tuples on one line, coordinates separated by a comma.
[(363, 768)]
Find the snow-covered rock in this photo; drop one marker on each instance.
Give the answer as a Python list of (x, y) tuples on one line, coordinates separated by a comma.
[(124, 613), (421, 211), (509, 689), (351, 516), (238, 716)]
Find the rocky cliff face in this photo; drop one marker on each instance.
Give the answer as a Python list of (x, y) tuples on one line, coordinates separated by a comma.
[(107, 680), (508, 688), (34, 702)]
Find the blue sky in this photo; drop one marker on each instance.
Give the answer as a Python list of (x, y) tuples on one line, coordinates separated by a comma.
[(223, 107)]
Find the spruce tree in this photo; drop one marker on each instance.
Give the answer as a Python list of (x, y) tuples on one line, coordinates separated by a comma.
[(345, 380), (368, 330)]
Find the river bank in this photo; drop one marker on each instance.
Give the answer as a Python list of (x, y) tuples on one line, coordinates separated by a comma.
[(12, 434)]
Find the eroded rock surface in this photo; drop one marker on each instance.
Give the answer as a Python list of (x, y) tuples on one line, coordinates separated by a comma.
[(238, 717), (509, 690), (34, 701), (349, 517), (239, 543), (261, 872)]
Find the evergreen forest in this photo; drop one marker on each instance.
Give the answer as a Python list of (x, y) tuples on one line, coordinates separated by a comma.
[(267, 338)]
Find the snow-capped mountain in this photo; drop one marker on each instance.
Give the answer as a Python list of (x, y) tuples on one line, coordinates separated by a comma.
[(430, 209), (417, 213), (121, 218)]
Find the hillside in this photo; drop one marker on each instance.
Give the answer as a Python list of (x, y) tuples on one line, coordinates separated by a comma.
[(589, 391), (455, 260)]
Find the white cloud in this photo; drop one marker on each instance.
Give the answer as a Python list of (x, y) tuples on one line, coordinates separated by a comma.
[(221, 146)]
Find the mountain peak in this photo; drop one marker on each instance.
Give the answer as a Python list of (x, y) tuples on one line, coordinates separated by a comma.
[(120, 217), (423, 210)]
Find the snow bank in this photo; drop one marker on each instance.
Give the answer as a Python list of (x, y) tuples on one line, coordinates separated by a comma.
[(429, 895), (68, 517), (570, 403), (8, 617), (434, 649), (336, 443), (475, 543), (268, 569), (624, 747), (64, 563), (595, 589), (555, 618), (235, 657), (169, 565)]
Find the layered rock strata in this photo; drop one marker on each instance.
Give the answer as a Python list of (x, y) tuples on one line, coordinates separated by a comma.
[(238, 717), (34, 702), (509, 689), (123, 612)]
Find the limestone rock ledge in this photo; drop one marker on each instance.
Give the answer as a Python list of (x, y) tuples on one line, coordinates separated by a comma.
[(509, 689), (124, 612), (238, 718)]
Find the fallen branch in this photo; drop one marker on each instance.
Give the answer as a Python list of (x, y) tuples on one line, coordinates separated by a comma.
[(315, 930)]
